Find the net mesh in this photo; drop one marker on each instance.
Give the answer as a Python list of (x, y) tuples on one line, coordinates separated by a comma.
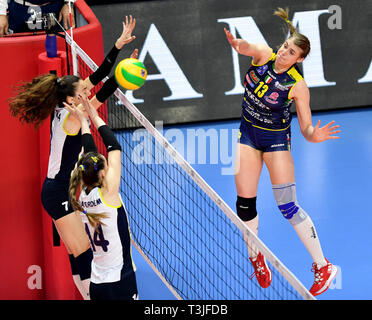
[(192, 243), (196, 247)]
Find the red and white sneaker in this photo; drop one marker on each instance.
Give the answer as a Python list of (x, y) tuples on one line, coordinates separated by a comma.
[(323, 277), (261, 270)]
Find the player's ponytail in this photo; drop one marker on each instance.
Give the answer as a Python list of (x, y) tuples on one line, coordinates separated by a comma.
[(284, 14), (37, 99), (79, 175), (299, 39)]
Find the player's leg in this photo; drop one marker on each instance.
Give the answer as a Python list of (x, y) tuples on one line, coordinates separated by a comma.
[(281, 169), (282, 175), (73, 234), (248, 169), (76, 275), (54, 197), (248, 166)]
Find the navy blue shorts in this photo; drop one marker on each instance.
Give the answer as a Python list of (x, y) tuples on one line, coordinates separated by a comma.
[(55, 198), (124, 289), (265, 140)]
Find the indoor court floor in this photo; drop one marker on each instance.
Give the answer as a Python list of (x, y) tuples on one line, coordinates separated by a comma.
[(333, 186)]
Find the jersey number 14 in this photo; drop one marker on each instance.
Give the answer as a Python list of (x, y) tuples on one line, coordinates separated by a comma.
[(98, 238)]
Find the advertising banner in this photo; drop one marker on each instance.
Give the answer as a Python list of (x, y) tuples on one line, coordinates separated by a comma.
[(195, 75)]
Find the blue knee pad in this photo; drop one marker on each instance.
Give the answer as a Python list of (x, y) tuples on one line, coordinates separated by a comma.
[(285, 196)]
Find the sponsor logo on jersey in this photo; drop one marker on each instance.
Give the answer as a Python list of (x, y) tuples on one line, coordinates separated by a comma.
[(272, 98), (258, 117), (271, 75), (249, 81), (268, 79), (261, 70), (288, 83), (253, 76), (283, 86), (255, 100)]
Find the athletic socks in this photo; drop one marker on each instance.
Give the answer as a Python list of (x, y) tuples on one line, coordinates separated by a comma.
[(253, 226), (307, 233)]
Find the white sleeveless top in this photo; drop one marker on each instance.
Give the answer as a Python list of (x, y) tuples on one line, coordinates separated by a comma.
[(64, 147), (111, 245)]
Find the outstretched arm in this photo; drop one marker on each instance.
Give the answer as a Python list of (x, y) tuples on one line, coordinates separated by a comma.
[(301, 95), (257, 51), (113, 174), (72, 125), (108, 88), (109, 61)]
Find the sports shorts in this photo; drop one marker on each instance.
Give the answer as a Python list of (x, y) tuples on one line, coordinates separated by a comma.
[(55, 198), (265, 140)]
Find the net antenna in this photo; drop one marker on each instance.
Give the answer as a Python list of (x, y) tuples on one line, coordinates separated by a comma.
[(219, 277), (72, 43)]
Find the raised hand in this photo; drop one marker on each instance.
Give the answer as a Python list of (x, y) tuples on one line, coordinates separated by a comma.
[(230, 38), (75, 111), (134, 54), (126, 35), (321, 134), (64, 16)]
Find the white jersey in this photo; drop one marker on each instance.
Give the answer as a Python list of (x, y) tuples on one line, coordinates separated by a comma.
[(64, 148), (111, 245)]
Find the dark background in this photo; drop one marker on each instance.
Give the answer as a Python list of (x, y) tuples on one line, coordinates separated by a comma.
[(198, 44)]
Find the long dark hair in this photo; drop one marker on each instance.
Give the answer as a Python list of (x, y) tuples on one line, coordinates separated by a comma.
[(86, 175), (299, 39), (37, 99)]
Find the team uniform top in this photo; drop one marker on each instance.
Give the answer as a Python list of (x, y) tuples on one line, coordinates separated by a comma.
[(111, 244), (64, 147), (266, 102)]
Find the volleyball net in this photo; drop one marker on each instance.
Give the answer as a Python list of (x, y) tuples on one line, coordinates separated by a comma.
[(190, 237)]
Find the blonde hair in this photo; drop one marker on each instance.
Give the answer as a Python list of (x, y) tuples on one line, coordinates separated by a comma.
[(299, 39), (85, 175)]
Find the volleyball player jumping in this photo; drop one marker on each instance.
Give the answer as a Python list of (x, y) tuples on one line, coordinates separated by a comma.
[(272, 82), (43, 97), (103, 212)]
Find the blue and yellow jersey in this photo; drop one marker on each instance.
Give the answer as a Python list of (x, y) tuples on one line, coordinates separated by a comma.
[(266, 102)]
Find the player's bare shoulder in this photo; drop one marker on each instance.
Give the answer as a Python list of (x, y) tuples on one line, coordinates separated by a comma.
[(261, 53)]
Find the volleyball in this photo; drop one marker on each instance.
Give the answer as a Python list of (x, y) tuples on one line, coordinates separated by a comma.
[(130, 73)]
